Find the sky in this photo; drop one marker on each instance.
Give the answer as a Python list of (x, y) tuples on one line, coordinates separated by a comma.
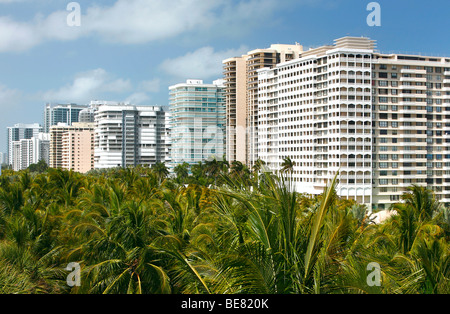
[(133, 50)]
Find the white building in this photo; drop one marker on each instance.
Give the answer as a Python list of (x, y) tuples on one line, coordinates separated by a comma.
[(128, 135), (18, 132), (241, 94), (197, 121), (378, 120), (30, 151)]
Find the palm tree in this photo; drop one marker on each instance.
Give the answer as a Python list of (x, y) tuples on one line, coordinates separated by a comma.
[(248, 234), (182, 172), (422, 201), (287, 165), (160, 170), (270, 252), (238, 169), (214, 168)]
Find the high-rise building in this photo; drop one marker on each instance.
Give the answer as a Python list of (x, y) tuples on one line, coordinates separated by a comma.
[(78, 147), (41, 144), (197, 121), (241, 85), (377, 120), (71, 146), (166, 137), (128, 135), (30, 151), (87, 115), (19, 132), (23, 154), (61, 113)]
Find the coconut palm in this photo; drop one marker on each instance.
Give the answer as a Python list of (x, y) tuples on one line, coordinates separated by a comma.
[(160, 170), (135, 230), (287, 165), (182, 172)]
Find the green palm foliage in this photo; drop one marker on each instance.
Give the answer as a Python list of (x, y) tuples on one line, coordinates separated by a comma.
[(223, 229)]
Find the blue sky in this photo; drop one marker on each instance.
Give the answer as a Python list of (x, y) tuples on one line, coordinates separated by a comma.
[(132, 50)]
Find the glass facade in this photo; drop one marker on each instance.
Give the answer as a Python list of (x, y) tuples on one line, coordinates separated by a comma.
[(197, 122), (61, 113)]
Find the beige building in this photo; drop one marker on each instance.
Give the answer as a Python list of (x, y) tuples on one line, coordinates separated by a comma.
[(78, 150), (72, 147), (241, 92)]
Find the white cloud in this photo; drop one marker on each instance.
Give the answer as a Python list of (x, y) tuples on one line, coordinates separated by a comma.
[(99, 84), (89, 86), (152, 86), (141, 95), (203, 63), (137, 98), (136, 21), (15, 36)]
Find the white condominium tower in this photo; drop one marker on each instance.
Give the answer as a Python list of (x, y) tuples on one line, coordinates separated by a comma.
[(128, 135), (241, 86), (197, 121), (381, 120), (30, 151), (19, 132)]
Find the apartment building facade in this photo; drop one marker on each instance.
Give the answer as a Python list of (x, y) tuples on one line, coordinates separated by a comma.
[(30, 151), (128, 135), (78, 148), (61, 113), (19, 132), (197, 123), (241, 94), (71, 146), (377, 120)]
